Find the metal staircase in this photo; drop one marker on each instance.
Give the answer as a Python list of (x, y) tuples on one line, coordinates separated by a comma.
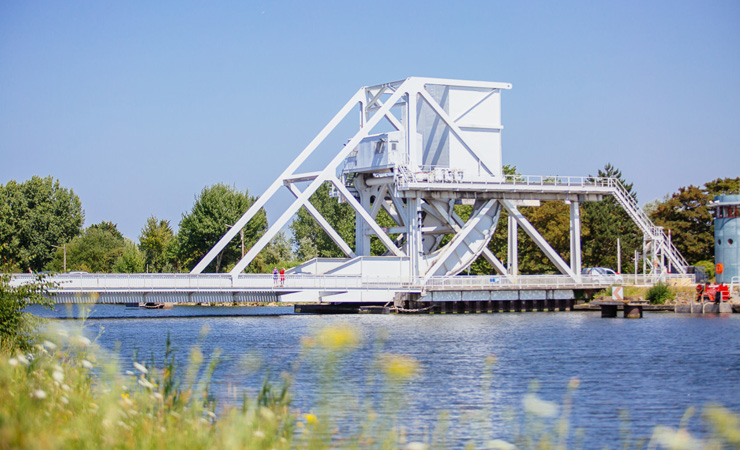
[(403, 176), (654, 235)]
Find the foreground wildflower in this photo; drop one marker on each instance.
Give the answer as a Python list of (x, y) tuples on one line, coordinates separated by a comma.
[(542, 408), (399, 367), (337, 337)]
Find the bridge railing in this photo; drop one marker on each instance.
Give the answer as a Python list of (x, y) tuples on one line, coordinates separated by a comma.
[(427, 173), (246, 282), (554, 281), (213, 282), (519, 282)]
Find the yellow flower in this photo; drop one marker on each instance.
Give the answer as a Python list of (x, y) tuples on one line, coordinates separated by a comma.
[(337, 337), (311, 419), (399, 367), (574, 383)]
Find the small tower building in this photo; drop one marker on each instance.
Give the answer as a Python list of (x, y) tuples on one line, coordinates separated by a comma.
[(727, 237)]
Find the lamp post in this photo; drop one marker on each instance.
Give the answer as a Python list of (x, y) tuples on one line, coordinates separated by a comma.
[(64, 248), (241, 233)]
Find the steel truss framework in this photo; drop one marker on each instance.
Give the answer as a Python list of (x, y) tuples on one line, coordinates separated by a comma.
[(421, 203)]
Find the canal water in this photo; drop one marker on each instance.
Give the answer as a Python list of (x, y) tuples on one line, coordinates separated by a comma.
[(633, 374)]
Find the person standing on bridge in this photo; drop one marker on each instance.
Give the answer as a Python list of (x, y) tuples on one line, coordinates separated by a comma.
[(275, 277), (282, 276)]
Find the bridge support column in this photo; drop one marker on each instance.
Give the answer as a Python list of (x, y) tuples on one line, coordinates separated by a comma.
[(362, 235), (632, 311), (512, 257), (609, 311), (413, 234), (575, 238)]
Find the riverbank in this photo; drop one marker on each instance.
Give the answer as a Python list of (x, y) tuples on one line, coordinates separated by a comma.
[(354, 384)]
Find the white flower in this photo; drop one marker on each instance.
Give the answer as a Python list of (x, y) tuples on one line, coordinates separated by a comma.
[(64, 400), (675, 439), (211, 414), (22, 359), (259, 434), (87, 364), (38, 393), (50, 345), (158, 396), (65, 387), (13, 362), (80, 340), (143, 382), (128, 372), (416, 446), (538, 407), (140, 368), (58, 376), (498, 444)]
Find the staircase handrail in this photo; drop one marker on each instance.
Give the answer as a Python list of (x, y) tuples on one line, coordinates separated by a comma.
[(656, 233), (403, 176)]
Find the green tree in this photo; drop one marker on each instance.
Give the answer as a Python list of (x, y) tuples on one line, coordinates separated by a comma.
[(95, 250), (605, 222), (132, 259), (306, 249), (308, 233), (215, 209), (18, 327), (377, 248), (722, 186), (552, 220), (157, 241), (687, 215), (35, 216), (278, 252)]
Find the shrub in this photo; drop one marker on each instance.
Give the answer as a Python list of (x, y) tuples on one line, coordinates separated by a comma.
[(17, 327), (708, 268), (659, 293)]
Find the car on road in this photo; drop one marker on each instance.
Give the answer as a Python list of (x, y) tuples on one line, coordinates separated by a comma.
[(603, 273)]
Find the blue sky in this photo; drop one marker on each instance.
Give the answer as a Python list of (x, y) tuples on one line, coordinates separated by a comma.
[(139, 105)]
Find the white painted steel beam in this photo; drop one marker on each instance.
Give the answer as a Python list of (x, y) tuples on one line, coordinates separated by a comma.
[(323, 223), (453, 127), (540, 241), (575, 238), (462, 234), (512, 247), (384, 238), (326, 175), (263, 199), (462, 83)]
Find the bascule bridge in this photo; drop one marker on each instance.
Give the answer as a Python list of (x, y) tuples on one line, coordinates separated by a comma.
[(443, 148), (423, 145)]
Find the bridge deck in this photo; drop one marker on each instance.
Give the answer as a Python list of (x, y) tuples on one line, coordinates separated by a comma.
[(223, 288)]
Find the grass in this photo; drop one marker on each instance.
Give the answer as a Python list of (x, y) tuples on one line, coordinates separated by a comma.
[(69, 393)]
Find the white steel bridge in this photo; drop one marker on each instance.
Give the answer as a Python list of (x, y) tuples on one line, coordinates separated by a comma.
[(248, 288), (443, 149)]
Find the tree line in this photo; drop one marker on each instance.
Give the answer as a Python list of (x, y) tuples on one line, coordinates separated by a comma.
[(41, 221)]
